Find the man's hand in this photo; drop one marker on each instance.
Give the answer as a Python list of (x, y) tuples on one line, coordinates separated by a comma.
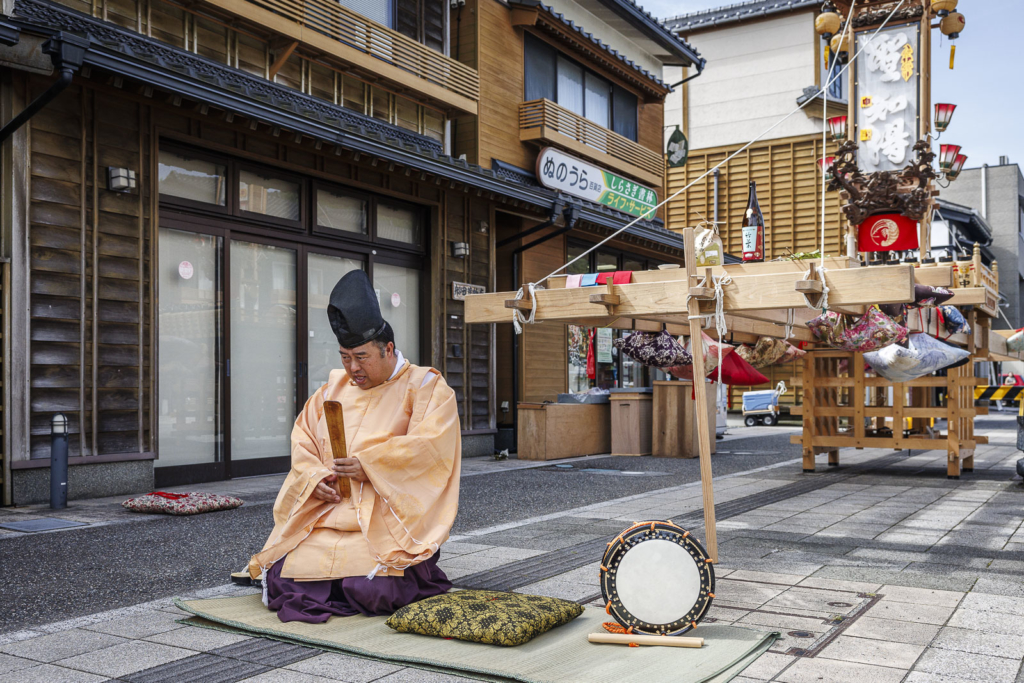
[(325, 492), (350, 467)]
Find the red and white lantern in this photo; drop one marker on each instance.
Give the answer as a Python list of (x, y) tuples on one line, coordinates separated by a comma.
[(826, 165), (943, 115), (947, 155), (958, 165), (837, 126)]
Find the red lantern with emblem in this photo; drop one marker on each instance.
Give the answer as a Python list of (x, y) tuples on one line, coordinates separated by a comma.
[(887, 232)]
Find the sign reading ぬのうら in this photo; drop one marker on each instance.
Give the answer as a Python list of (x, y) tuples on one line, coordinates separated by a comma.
[(559, 171)]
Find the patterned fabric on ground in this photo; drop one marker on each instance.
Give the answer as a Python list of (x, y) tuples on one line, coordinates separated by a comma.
[(314, 602), (489, 617), (953, 321), (658, 350), (767, 351), (923, 355), (871, 332), (161, 502)]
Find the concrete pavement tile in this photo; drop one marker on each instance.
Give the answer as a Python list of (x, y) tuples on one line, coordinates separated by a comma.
[(285, 676), (126, 658), (987, 622), (813, 600), (47, 673), (138, 625), (839, 585), (969, 640), (1003, 587), (903, 611), (722, 614), (871, 651), (784, 622), (892, 630), (927, 677), (9, 663), (818, 670), (967, 666), (768, 665), (344, 668), (987, 602), (767, 577), (920, 596), (745, 592), (61, 645), (196, 639), (507, 554), (462, 548), (554, 588), (853, 530)]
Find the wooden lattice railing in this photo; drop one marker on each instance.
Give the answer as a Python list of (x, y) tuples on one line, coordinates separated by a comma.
[(371, 38), (545, 114)]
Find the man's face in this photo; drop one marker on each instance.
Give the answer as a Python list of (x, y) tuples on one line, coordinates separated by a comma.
[(367, 366)]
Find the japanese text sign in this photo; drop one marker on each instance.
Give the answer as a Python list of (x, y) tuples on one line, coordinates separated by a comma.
[(888, 88), (559, 171)]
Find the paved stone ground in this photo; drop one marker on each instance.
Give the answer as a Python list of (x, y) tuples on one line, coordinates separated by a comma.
[(879, 570)]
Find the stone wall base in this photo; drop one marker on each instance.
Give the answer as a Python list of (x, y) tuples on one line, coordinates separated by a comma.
[(85, 481)]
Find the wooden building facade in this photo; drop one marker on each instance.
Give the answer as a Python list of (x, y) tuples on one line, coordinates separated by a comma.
[(175, 218)]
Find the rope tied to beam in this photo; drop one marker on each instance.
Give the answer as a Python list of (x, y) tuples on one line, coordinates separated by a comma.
[(719, 282), (790, 322), (518, 319)]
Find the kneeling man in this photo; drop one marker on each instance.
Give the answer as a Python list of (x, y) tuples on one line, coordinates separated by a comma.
[(376, 550)]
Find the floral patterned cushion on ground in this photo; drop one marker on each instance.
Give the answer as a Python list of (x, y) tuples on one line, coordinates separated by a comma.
[(923, 355), (490, 617), (161, 502), (953, 321), (659, 350), (870, 332), (767, 351)]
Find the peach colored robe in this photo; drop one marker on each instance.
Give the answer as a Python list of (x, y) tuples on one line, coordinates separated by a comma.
[(405, 433)]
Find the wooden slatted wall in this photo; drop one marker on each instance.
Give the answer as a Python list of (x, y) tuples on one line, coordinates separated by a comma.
[(788, 189), (467, 348), (90, 350)]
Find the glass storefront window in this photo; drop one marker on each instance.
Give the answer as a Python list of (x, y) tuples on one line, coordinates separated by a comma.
[(262, 370), (322, 273), (398, 291), (398, 224), (607, 263), (193, 179), (190, 339), (269, 196), (340, 212), (633, 264)]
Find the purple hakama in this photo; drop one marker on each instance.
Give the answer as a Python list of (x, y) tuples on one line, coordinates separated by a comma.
[(314, 602)]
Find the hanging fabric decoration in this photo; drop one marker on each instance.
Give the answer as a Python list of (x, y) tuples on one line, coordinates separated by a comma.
[(953, 321), (870, 332), (767, 351), (591, 357), (887, 232), (923, 355), (658, 350)]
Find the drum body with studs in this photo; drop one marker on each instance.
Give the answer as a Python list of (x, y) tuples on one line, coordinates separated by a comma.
[(657, 578)]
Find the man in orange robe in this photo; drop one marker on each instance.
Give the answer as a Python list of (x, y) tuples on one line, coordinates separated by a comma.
[(376, 550)]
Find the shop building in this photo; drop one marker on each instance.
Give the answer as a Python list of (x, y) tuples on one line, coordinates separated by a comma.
[(175, 217)]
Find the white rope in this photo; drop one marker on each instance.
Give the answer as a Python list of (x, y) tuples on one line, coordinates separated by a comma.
[(741, 150), (517, 317), (780, 388), (823, 301), (719, 283), (824, 123), (790, 322)]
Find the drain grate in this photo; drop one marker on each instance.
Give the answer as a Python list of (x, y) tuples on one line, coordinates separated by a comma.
[(540, 567), (45, 524)]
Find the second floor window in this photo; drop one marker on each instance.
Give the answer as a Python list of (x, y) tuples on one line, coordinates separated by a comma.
[(553, 76)]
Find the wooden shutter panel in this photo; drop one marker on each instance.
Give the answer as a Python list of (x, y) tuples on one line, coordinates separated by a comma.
[(407, 18), (433, 24)]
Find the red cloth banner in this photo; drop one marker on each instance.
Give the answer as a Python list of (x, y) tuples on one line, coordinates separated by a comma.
[(887, 232)]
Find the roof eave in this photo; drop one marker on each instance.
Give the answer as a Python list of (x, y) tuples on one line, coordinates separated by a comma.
[(657, 32)]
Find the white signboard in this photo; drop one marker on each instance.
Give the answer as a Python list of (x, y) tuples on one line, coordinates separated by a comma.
[(604, 345), (556, 170), (460, 290), (888, 88)]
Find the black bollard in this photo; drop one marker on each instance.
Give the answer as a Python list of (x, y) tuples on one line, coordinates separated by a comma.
[(58, 462)]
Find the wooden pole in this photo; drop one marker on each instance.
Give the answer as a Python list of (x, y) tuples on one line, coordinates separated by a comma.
[(627, 638), (700, 399)]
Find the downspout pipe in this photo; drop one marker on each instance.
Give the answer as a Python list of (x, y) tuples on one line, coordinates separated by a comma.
[(66, 53), (571, 216), (700, 70)]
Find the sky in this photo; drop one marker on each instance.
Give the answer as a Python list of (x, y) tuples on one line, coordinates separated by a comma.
[(986, 85)]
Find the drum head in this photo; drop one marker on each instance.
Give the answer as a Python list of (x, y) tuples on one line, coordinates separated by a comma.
[(656, 578)]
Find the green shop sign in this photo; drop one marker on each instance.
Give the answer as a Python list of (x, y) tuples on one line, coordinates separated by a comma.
[(557, 170)]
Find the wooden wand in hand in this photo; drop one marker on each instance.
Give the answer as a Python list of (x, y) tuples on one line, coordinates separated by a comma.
[(336, 429)]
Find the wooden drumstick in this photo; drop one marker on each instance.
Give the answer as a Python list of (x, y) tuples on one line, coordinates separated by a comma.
[(627, 638), (336, 429)]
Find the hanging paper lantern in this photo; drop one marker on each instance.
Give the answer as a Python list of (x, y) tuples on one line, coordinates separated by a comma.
[(826, 166), (837, 126), (828, 22), (947, 155), (944, 7), (841, 47), (958, 165), (943, 115), (952, 24)]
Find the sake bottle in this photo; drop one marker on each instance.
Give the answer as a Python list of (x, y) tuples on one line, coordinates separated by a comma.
[(753, 229)]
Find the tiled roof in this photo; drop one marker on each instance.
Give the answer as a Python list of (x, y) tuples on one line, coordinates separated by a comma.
[(589, 37), (655, 29), (741, 11)]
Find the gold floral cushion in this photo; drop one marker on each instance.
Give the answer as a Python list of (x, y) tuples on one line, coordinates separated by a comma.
[(489, 617)]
